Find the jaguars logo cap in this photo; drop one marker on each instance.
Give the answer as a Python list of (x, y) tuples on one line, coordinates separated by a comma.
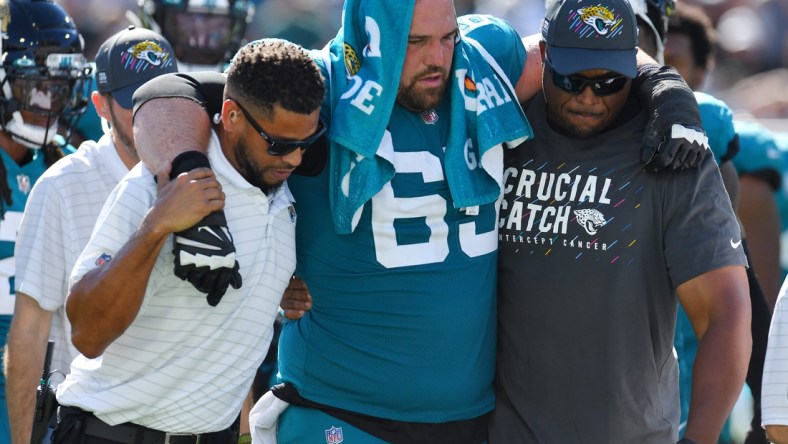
[(582, 35), (130, 58)]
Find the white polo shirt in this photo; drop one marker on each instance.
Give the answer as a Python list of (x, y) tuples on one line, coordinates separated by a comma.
[(774, 402), (183, 366), (59, 217)]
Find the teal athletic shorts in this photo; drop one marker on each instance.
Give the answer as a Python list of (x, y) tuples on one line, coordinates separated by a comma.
[(299, 425)]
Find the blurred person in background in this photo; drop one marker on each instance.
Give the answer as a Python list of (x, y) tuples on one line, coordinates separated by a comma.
[(763, 95), (689, 47), (310, 23), (752, 39), (42, 78), (204, 33), (524, 15), (775, 381), (760, 167), (96, 20)]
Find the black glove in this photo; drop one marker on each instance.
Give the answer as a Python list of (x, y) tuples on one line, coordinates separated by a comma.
[(204, 253), (684, 148), (674, 137)]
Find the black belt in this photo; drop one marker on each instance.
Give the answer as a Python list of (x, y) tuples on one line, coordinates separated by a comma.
[(128, 433), (465, 431)]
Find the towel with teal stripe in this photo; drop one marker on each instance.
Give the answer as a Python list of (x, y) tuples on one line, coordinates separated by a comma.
[(364, 62)]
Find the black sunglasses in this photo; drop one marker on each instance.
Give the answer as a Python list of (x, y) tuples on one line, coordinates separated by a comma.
[(575, 84), (278, 147)]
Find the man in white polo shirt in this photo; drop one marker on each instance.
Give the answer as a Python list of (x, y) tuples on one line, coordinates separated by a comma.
[(60, 213), (159, 363)]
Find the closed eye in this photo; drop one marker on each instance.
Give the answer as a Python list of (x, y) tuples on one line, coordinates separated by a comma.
[(452, 36)]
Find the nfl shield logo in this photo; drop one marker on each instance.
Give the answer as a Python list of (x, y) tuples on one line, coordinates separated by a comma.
[(429, 117), (334, 435), (292, 211), (103, 259), (23, 183)]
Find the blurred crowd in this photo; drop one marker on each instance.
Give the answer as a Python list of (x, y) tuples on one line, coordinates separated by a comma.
[(751, 72)]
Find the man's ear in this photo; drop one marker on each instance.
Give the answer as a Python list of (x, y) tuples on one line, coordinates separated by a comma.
[(230, 115), (542, 49), (101, 105)]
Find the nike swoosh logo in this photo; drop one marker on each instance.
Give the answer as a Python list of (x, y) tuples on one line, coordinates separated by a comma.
[(193, 243), (735, 245), (209, 231)]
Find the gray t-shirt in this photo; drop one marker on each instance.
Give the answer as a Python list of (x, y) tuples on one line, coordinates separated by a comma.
[(591, 251)]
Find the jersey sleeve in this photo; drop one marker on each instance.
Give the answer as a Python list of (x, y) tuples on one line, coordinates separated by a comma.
[(697, 212), (717, 119), (499, 39), (40, 247), (204, 87)]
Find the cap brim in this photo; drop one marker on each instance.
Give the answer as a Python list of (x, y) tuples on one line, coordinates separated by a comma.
[(123, 95), (567, 61)]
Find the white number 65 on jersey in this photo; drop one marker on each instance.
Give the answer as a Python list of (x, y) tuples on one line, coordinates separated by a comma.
[(386, 208)]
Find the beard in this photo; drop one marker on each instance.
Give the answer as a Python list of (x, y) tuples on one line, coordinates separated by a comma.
[(125, 140), (418, 99), (254, 174)]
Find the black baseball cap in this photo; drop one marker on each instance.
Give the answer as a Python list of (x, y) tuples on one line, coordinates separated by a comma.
[(130, 58), (583, 35)]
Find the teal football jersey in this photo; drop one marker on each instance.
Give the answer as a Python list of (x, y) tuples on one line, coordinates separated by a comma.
[(717, 120), (20, 180), (403, 319)]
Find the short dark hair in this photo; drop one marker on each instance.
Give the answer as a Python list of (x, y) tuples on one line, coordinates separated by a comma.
[(271, 72), (693, 22)]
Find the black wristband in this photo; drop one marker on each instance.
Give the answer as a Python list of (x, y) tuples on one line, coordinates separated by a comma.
[(685, 440), (188, 161)]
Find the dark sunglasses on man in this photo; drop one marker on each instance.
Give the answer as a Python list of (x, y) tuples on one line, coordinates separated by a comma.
[(280, 147), (575, 84)]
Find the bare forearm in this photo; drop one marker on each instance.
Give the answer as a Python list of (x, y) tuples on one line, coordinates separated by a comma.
[(717, 304), (761, 219), (20, 388), (107, 299), (777, 434), (24, 360), (717, 378)]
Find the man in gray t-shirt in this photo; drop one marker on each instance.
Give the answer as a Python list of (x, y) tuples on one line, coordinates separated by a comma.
[(595, 255)]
